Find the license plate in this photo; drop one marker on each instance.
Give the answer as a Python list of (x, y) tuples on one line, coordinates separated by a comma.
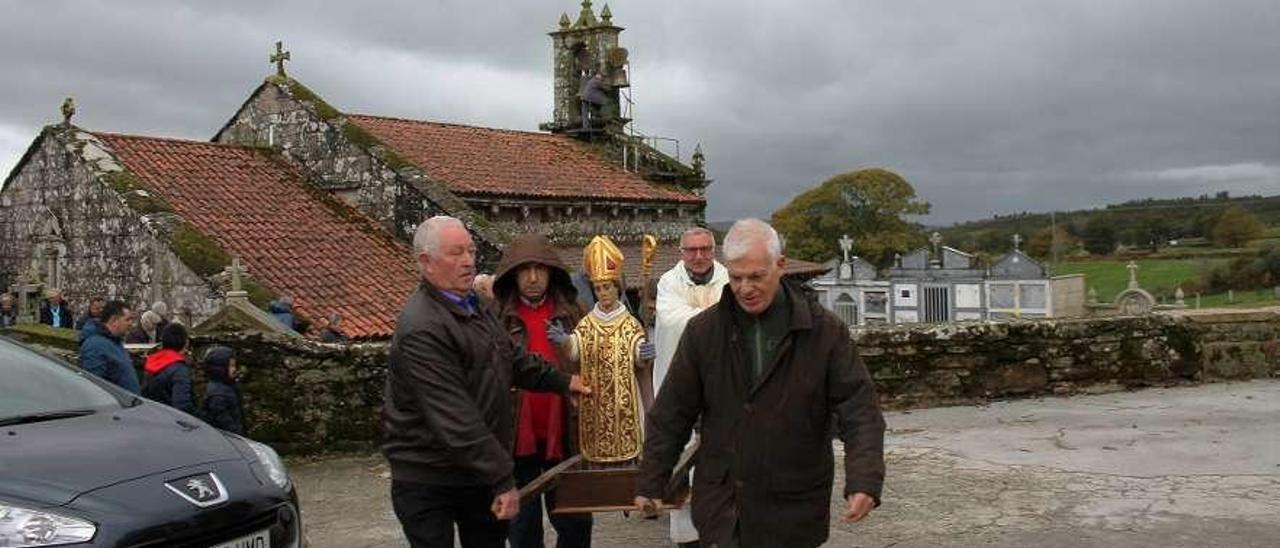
[(261, 539)]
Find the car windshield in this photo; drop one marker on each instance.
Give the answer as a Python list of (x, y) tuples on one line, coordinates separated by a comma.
[(31, 384)]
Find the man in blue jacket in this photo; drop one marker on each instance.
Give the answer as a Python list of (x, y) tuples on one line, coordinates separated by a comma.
[(101, 350)]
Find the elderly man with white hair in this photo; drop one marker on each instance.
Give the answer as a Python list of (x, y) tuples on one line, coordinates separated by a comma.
[(767, 370), (446, 416)]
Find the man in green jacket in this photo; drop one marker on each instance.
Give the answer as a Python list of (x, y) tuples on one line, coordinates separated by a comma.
[(766, 370)]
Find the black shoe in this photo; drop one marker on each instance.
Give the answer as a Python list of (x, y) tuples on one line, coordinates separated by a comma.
[(693, 544)]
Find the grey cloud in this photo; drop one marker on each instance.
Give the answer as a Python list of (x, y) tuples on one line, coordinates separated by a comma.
[(986, 106)]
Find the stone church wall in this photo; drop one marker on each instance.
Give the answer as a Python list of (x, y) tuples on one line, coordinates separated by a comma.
[(89, 242), (579, 228), (306, 396), (337, 156), (274, 118)]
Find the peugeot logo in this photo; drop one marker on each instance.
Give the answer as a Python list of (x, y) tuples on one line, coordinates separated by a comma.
[(202, 490)]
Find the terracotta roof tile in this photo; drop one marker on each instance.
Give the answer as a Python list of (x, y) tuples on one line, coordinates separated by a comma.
[(484, 161), (325, 255)]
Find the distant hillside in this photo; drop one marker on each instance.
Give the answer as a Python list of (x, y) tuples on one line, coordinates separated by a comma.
[(1136, 223)]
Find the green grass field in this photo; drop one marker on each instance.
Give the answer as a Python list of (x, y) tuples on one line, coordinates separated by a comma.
[(1243, 299), (1160, 277)]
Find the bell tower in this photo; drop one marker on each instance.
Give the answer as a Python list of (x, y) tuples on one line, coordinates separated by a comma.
[(590, 72)]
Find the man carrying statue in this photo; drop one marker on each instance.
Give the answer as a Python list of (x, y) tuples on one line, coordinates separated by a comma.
[(532, 290), (447, 423), (766, 370)]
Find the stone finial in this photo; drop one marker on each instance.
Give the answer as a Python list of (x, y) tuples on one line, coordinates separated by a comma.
[(68, 110), (564, 21), (279, 57), (1133, 274), (1017, 241), (586, 18), (699, 160), (1093, 295), (606, 16), (1179, 297)]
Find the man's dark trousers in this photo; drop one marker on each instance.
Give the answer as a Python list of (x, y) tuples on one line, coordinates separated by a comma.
[(428, 513), (572, 530)]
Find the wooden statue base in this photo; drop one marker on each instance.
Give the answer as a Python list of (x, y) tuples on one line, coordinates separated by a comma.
[(582, 490)]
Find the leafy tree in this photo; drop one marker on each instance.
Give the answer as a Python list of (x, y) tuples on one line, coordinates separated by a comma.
[(1045, 242), (1236, 226), (868, 205), (1157, 230), (1100, 235)]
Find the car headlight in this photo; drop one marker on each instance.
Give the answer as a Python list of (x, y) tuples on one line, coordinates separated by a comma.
[(271, 463), (23, 528)]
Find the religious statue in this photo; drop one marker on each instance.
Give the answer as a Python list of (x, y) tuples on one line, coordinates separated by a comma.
[(607, 344)]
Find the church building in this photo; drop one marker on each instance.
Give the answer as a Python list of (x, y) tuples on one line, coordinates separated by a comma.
[(320, 203)]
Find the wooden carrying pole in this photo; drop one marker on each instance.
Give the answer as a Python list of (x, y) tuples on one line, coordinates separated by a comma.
[(608, 489), (547, 480)]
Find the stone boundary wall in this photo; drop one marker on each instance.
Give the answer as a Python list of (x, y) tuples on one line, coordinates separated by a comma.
[(968, 362), (303, 396)]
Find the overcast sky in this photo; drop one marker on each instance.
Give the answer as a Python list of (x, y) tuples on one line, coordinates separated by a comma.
[(986, 106)]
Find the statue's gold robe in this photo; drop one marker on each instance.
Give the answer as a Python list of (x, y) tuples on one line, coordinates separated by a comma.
[(610, 421)]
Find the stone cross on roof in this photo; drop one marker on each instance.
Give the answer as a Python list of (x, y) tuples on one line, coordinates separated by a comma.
[(846, 244), (235, 270), (1133, 274), (1017, 241), (279, 57)]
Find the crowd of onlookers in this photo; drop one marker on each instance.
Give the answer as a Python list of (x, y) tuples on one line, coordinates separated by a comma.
[(107, 325)]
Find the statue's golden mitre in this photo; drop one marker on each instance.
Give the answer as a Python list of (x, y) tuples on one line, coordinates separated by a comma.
[(602, 260)]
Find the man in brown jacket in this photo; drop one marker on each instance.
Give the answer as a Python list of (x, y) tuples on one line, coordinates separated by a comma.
[(447, 424), (532, 290), (766, 370)]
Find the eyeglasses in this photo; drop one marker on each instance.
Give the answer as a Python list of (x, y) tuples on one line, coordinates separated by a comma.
[(706, 251)]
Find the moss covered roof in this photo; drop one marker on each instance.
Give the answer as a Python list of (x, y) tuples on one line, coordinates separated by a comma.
[(241, 201)]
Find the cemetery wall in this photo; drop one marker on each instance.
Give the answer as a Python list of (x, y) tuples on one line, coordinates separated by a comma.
[(303, 396)]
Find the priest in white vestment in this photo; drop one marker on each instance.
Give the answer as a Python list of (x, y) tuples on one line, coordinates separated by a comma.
[(694, 284)]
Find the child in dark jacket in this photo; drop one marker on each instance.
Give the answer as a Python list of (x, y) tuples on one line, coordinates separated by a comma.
[(168, 377), (221, 406)]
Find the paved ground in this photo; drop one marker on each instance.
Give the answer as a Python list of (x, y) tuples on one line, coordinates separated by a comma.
[(1193, 466)]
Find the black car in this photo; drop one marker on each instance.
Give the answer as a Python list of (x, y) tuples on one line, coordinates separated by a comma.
[(84, 463)]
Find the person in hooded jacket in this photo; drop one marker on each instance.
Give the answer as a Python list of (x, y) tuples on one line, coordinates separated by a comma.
[(532, 289), (222, 407), (168, 377)]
